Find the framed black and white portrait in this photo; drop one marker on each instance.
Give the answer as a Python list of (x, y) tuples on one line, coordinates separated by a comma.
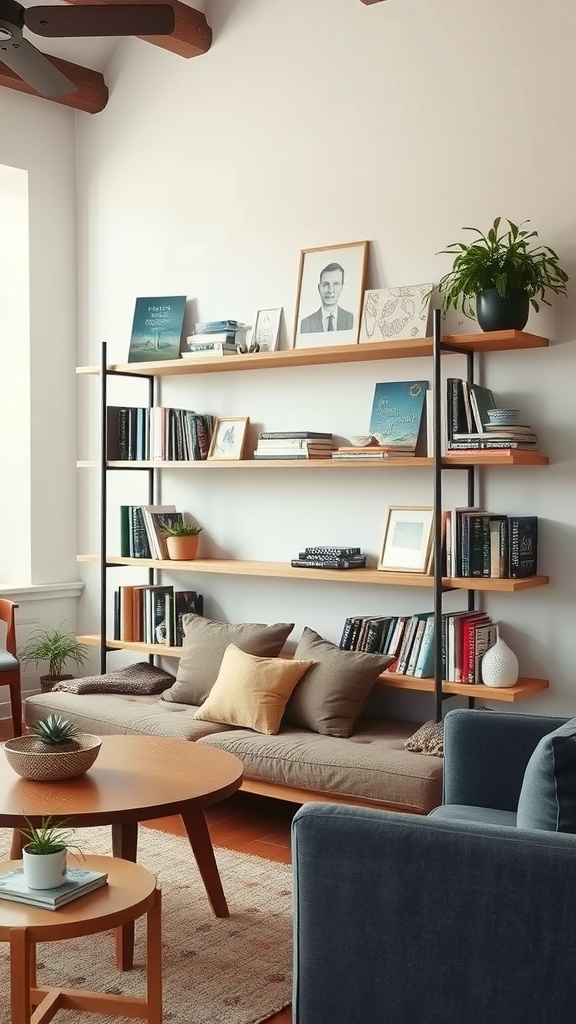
[(331, 283)]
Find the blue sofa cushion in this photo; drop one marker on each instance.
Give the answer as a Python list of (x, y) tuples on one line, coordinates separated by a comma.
[(548, 795), (465, 812)]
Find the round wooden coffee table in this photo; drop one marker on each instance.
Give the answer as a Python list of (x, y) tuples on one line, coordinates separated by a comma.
[(131, 892), (135, 778)]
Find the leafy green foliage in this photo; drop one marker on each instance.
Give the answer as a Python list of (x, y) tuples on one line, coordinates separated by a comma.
[(182, 529), (54, 730), (53, 646), (48, 837), (507, 260)]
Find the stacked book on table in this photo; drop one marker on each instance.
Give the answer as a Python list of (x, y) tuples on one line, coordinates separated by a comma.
[(299, 444), (79, 881), (330, 558), (215, 338)]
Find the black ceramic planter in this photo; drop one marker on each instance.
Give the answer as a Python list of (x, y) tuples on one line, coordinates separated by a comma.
[(502, 313)]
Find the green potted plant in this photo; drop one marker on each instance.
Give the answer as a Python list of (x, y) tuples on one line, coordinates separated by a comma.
[(499, 275), (55, 647), (45, 853), (52, 749), (182, 540)]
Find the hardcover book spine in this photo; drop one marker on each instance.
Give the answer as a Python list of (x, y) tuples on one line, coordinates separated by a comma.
[(326, 563), (329, 552), (522, 546)]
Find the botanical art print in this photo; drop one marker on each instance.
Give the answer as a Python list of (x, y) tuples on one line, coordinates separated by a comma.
[(392, 313), (228, 438)]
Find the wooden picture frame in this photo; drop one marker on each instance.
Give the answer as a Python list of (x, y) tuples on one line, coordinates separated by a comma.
[(266, 331), (408, 534), (325, 274), (229, 438)]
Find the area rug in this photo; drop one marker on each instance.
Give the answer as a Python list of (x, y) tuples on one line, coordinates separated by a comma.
[(233, 970)]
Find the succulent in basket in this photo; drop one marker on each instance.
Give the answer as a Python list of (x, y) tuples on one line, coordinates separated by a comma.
[(54, 734)]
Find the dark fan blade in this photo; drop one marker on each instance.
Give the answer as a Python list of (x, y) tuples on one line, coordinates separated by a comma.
[(101, 20), (31, 65)]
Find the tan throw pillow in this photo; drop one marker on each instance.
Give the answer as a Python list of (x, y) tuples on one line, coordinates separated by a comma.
[(333, 693), (205, 641), (251, 692)]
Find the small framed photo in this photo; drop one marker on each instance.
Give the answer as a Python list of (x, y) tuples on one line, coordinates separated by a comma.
[(407, 539), (330, 288), (228, 438), (267, 329)]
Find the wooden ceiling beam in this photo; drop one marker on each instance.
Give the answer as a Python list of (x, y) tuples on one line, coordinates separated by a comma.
[(192, 34), (92, 94)]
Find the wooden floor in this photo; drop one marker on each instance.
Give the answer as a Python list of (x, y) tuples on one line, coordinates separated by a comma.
[(245, 823)]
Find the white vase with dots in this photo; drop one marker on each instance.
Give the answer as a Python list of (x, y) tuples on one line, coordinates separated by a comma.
[(499, 666)]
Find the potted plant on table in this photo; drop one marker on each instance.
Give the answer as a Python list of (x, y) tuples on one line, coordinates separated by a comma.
[(55, 647), (44, 857), (182, 540), (53, 749), (499, 275)]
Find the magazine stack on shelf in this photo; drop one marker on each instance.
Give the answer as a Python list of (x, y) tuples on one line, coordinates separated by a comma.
[(330, 558), (299, 444), (215, 338)]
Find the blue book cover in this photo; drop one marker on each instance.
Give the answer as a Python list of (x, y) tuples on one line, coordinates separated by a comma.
[(397, 412), (157, 328)]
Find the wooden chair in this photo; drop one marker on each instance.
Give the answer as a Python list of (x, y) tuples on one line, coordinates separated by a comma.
[(9, 664)]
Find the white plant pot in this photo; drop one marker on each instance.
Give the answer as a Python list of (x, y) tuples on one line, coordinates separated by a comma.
[(499, 665), (44, 870)]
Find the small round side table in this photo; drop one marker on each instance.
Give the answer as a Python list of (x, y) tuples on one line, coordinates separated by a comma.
[(131, 892)]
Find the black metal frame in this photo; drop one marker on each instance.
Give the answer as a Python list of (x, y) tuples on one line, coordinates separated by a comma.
[(105, 372)]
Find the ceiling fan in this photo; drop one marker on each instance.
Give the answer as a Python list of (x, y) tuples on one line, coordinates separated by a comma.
[(22, 57)]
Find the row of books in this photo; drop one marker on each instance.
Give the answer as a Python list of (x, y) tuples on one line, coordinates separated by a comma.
[(300, 444), (465, 638), (78, 882), (326, 557), (152, 614), (136, 433), (469, 426), (142, 530), (492, 545)]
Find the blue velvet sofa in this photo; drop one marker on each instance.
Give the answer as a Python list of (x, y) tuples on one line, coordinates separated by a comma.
[(455, 918)]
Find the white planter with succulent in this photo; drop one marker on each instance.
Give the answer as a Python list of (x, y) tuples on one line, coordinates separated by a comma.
[(44, 857)]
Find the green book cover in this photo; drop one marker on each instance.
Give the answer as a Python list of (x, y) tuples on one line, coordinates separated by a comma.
[(157, 328)]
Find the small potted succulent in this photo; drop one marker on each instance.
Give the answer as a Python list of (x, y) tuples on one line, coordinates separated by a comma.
[(499, 275), (53, 749), (182, 540), (44, 856), (55, 647)]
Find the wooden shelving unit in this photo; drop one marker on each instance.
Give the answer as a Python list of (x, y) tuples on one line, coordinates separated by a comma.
[(461, 344)]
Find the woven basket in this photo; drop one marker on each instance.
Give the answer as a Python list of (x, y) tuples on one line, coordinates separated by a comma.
[(51, 765)]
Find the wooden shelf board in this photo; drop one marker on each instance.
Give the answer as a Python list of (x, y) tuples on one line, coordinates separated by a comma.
[(523, 688), (501, 458), (495, 341), (283, 570)]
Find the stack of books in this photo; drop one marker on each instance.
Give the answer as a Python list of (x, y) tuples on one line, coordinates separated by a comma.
[(215, 338), (371, 452), (79, 881), (469, 425), (299, 444), (330, 558)]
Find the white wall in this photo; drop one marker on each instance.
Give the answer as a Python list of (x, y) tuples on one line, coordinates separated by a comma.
[(312, 122), (38, 505)]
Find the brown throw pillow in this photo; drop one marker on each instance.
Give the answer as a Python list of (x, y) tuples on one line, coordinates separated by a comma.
[(205, 641), (332, 694), (251, 692)]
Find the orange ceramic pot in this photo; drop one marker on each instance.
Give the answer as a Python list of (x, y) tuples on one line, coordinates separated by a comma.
[(183, 549)]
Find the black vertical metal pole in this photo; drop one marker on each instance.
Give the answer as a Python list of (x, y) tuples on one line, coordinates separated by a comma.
[(437, 385), (103, 504)]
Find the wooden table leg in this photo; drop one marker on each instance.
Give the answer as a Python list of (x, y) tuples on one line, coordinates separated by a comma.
[(199, 836), (154, 961), (125, 845), (16, 845), (20, 951)]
